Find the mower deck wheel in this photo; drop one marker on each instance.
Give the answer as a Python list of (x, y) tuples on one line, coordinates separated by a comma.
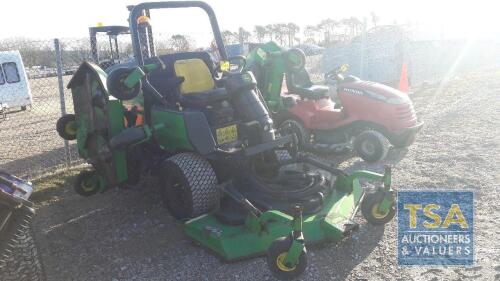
[(189, 185), (66, 127), (87, 183), (371, 146), (276, 254), (370, 209)]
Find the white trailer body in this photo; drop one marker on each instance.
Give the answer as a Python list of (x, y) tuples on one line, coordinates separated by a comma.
[(14, 86)]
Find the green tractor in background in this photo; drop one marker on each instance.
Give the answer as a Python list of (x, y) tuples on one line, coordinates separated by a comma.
[(111, 54), (207, 135)]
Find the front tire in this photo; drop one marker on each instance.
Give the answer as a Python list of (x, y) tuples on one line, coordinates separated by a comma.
[(371, 146), (276, 254), (369, 209), (87, 183), (66, 127), (189, 185)]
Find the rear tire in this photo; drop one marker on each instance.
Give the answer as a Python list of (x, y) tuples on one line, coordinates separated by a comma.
[(371, 146), (19, 258), (189, 185), (302, 136)]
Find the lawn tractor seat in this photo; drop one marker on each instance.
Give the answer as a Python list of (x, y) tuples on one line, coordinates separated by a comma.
[(198, 88), (298, 82), (188, 79)]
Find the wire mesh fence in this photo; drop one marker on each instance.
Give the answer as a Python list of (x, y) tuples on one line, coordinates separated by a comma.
[(30, 145)]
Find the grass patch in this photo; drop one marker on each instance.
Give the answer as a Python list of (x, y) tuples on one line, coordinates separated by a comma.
[(53, 185)]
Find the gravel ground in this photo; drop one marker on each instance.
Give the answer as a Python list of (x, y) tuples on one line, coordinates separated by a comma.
[(128, 235)]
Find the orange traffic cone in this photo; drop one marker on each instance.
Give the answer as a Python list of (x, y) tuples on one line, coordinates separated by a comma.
[(403, 80)]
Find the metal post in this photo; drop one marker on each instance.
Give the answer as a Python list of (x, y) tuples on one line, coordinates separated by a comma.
[(58, 54), (241, 41), (152, 50), (93, 45), (362, 55)]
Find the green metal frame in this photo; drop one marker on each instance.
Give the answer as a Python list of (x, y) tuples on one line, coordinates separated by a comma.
[(88, 82)]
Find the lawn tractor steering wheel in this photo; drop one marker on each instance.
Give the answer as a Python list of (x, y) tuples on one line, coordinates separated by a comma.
[(126, 83), (117, 86), (242, 62), (336, 74), (227, 66)]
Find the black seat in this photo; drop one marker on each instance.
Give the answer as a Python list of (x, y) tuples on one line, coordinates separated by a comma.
[(299, 83), (204, 98)]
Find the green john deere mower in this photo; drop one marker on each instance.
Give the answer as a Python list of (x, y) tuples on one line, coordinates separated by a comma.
[(207, 135)]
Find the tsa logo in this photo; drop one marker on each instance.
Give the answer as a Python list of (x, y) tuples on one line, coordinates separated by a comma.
[(435, 228)]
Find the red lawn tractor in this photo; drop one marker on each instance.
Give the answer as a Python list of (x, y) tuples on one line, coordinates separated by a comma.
[(367, 117)]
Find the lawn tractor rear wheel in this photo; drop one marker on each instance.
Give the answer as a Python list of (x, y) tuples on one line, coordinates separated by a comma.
[(371, 146), (66, 127), (87, 183), (301, 135), (276, 254), (189, 185), (370, 209)]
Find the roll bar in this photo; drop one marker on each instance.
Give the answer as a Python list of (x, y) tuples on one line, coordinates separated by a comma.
[(138, 10)]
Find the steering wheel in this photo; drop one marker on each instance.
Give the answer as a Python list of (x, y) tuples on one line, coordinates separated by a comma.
[(135, 78), (242, 62), (116, 84), (336, 73), (225, 66)]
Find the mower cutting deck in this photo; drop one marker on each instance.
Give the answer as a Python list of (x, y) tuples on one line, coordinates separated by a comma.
[(332, 222)]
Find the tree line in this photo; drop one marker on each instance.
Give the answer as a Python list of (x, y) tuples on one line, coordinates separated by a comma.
[(325, 33)]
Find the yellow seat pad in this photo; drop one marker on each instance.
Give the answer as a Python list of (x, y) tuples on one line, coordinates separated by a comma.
[(197, 76)]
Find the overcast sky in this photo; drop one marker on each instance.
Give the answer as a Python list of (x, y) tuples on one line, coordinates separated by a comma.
[(51, 18)]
